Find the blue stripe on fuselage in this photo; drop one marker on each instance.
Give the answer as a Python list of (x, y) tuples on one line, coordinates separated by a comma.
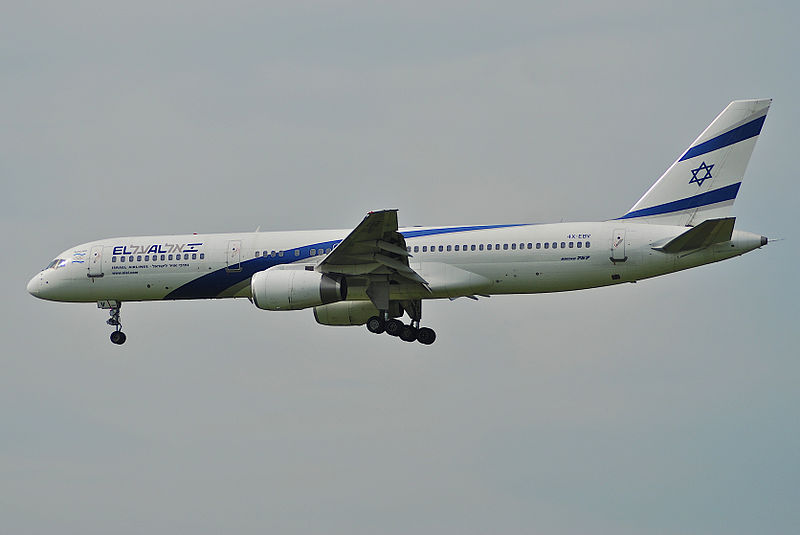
[(448, 230), (214, 284)]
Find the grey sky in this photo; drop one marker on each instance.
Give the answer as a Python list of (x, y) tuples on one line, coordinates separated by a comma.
[(664, 407)]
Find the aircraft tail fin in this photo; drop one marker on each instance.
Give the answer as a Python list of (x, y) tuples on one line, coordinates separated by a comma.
[(702, 184)]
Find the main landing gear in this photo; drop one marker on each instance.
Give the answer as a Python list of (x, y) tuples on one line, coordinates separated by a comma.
[(117, 337), (407, 333)]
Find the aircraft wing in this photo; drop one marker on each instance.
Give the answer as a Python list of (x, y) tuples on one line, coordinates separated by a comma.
[(374, 247)]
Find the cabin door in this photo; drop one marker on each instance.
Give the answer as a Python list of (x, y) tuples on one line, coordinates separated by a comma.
[(618, 246), (96, 261), (234, 255)]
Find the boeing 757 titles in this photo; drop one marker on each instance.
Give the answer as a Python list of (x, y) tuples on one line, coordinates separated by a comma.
[(377, 273)]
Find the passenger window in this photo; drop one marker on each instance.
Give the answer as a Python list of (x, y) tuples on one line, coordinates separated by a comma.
[(563, 245), (538, 245), (130, 259), (416, 248), (546, 245), (571, 244), (328, 250), (497, 246), (147, 258), (489, 247), (457, 247), (169, 257), (579, 244), (257, 254), (448, 248), (194, 256), (480, 247), (312, 252), (424, 248), (113, 258), (297, 252), (202, 256), (513, 246), (588, 245), (530, 245), (555, 245), (472, 247), (280, 253)]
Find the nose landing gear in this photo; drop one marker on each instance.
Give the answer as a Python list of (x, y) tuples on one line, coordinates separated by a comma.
[(117, 337)]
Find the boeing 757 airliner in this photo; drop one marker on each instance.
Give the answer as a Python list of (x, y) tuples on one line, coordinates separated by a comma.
[(377, 273)]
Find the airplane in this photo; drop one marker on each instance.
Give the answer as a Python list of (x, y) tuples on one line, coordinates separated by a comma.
[(378, 272)]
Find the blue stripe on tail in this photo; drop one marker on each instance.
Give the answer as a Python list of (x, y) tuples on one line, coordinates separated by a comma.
[(728, 193), (740, 133)]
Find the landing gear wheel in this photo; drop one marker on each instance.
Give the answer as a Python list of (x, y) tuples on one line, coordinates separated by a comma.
[(426, 336), (118, 337), (376, 325), (408, 333), (394, 327)]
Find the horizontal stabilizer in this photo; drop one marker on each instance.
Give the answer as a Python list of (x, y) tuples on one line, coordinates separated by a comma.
[(706, 233)]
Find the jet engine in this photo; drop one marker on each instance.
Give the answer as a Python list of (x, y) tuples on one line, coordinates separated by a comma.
[(345, 313), (295, 289)]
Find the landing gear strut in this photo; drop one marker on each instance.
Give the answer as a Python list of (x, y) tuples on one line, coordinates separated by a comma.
[(407, 333), (117, 337)]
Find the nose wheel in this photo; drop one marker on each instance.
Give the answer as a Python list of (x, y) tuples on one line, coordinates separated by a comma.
[(117, 337)]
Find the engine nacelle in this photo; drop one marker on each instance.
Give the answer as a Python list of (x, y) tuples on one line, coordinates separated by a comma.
[(346, 313), (295, 289)]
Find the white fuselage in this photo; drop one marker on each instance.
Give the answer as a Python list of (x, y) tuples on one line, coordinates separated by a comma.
[(455, 261)]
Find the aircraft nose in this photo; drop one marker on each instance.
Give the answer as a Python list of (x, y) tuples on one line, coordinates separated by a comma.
[(34, 285)]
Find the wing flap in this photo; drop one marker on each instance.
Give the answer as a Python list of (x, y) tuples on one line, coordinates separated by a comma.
[(374, 246)]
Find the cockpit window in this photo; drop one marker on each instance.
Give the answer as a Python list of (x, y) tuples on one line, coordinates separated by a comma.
[(57, 263)]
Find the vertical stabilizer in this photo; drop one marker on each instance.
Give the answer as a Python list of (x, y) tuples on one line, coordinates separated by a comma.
[(703, 183)]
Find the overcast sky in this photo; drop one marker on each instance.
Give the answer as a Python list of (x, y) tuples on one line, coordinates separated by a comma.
[(664, 407)]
